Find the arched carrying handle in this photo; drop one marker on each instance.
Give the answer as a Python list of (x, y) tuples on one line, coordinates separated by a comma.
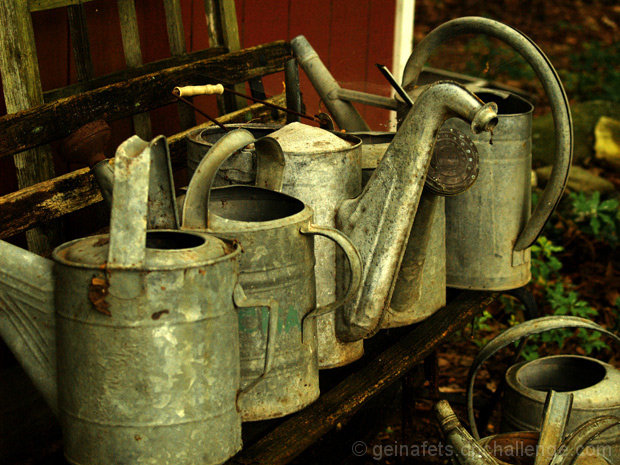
[(355, 265), (242, 301), (553, 88), (196, 205), (574, 444), (511, 335)]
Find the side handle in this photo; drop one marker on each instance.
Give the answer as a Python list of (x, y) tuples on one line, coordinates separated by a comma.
[(355, 265), (243, 301)]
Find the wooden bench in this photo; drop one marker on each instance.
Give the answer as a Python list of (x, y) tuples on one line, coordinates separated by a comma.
[(37, 119)]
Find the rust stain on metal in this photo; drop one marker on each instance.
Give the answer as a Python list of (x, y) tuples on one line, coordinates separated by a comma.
[(158, 315), (97, 292)]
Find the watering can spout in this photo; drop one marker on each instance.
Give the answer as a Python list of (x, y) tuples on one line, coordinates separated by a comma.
[(27, 316), (465, 448), (379, 221)]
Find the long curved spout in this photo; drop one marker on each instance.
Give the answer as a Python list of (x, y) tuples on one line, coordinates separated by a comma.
[(379, 221)]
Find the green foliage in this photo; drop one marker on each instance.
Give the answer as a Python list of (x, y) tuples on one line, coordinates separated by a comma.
[(593, 72), (562, 299), (595, 217)]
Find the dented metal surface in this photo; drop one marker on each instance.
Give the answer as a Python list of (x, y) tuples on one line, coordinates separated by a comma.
[(501, 194), (380, 219), (145, 336), (321, 176), (276, 233)]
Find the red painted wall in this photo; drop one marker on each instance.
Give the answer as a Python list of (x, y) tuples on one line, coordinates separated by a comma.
[(349, 35)]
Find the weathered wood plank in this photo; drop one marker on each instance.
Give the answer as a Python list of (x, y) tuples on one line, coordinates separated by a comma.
[(73, 191), (78, 30), (21, 83), (221, 16), (293, 436), (133, 57), (39, 5), (130, 73), (176, 39), (55, 120)]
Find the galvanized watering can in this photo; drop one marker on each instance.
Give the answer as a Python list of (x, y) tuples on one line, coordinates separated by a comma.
[(240, 168), (419, 288), (379, 219), (276, 232), (594, 385), (489, 229), (549, 447), (131, 337)]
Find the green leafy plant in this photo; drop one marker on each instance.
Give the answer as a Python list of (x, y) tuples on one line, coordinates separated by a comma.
[(595, 217)]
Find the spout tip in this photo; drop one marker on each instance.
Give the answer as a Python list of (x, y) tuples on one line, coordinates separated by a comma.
[(485, 119)]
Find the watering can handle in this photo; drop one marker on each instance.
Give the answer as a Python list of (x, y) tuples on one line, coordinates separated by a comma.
[(553, 88), (242, 301), (196, 206), (355, 265), (511, 335), (128, 219)]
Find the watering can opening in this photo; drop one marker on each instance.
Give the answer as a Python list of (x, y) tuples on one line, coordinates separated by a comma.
[(173, 240), (507, 103), (562, 374), (252, 204)]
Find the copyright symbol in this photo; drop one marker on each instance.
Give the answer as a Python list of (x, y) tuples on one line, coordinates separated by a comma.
[(359, 448)]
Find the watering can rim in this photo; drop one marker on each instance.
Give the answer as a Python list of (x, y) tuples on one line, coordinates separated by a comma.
[(508, 94), (580, 395), (209, 242), (195, 134), (217, 221)]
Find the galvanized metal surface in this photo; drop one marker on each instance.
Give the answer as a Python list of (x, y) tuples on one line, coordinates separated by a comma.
[(276, 233), (594, 385), (320, 175), (555, 416), (523, 447), (379, 221), (344, 112), (146, 340), (420, 288), (483, 223), (467, 451), (239, 168), (550, 82)]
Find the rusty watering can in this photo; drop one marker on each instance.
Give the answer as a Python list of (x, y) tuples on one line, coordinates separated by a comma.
[(276, 232), (595, 386), (379, 219), (488, 228), (549, 447), (131, 337), (240, 168)]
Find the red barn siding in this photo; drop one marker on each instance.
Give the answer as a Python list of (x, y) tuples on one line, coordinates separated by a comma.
[(349, 35)]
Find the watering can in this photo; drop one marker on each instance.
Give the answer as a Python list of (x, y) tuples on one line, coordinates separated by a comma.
[(276, 232), (240, 168), (549, 447), (131, 337), (419, 289), (594, 385), (379, 219), (489, 228)]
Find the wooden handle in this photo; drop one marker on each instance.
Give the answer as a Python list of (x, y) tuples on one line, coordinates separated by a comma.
[(208, 89)]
